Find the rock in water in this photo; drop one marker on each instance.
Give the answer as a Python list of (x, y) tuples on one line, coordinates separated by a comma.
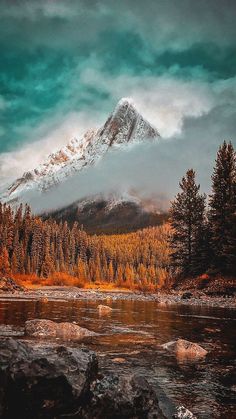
[(104, 309), (183, 413), (45, 381), (41, 328), (119, 360), (128, 396), (185, 349)]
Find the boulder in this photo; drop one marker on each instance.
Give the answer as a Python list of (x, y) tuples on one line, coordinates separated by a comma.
[(186, 296), (183, 413), (52, 381), (211, 330), (9, 285), (44, 381), (185, 349), (44, 300), (104, 309), (42, 328), (128, 396), (119, 360)]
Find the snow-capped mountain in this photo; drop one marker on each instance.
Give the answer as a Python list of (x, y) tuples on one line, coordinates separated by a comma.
[(123, 126)]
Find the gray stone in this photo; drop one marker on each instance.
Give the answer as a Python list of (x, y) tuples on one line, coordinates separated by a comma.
[(42, 328), (185, 349), (183, 413), (128, 396), (43, 381)]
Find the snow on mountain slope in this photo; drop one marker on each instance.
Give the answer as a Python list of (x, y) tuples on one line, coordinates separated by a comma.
[(124, 125), (109, 216)]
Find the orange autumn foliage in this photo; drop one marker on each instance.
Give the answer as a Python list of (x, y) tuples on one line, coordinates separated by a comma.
[(50, 253)]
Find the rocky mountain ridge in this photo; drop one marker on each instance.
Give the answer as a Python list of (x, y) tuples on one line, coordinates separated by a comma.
[(124, 125)]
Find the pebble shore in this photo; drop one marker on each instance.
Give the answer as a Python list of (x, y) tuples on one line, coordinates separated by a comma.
[(71, 293)]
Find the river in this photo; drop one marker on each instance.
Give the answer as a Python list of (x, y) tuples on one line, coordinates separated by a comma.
[(135, 330)]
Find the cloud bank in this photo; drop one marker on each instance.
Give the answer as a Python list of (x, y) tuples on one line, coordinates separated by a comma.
[(166, 102)]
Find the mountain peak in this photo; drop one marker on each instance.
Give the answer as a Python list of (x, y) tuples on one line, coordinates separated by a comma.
[(124, 125), (125, 101)]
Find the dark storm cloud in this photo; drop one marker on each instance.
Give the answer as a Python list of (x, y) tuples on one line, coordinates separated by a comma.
[(180, 22)]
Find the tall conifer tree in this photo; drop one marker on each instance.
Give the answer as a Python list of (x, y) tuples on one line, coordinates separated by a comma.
[(222, 214), (187, 220)]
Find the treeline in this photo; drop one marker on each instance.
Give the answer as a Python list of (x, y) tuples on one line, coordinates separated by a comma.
[(48, 249), (204, 231)]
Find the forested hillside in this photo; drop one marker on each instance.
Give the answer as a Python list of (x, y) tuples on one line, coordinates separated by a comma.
[(31, 246)]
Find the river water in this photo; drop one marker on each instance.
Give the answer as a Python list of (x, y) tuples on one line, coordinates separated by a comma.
[(135, 331)]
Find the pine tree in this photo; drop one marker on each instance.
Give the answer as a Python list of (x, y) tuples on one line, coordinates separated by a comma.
[(202, 249), (110, 272), (222, 210), (4, 262), (152, 274), (80, 271), (187, 220), (142, 273), (48, 263), (47, 267), (36, 250), (129, 275), (231, 255), (119, 275)]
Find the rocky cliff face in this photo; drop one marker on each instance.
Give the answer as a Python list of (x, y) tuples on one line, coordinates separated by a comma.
[(123, 126)]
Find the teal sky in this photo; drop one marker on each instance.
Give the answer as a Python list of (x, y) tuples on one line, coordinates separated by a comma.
[(65, 63)]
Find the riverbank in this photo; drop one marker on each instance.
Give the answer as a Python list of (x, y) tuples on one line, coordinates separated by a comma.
[(63, 293)]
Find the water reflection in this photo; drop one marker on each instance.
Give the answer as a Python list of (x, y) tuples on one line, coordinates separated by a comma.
[(135, 331)]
